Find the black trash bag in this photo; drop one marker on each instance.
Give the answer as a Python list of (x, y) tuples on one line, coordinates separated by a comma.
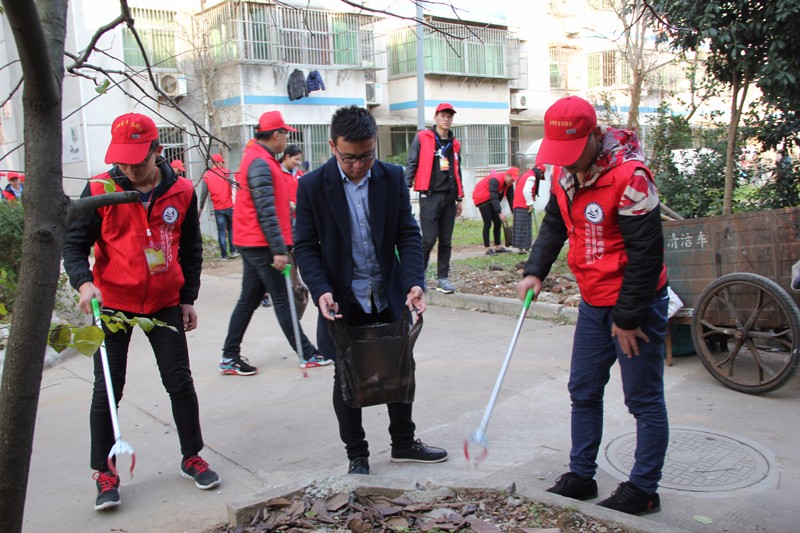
[(376, 362), (298, 288)]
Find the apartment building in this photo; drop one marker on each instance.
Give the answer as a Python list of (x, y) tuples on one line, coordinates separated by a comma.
[(224, 63)]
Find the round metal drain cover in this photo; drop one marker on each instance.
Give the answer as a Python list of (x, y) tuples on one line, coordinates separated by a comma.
[(697, 461)]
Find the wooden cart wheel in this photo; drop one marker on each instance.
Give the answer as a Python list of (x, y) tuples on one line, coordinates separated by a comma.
[(746, 330)]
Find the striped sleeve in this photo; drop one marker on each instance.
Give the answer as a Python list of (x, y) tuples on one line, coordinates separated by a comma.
[(640, 196)]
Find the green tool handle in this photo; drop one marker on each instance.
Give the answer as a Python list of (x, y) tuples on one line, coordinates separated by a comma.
[(95, 308)]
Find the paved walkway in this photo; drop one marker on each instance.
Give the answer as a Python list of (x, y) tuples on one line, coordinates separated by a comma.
[(732, 456)]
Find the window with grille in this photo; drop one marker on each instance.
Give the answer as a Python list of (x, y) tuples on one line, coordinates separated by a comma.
[(173, 139), (483, 144), (607, 69), (560, 59), (478, 51), (157, 30), (268, 32), (401, 138)]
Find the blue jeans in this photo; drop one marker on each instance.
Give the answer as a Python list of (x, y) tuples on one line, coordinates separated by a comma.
[(224, 218), (259, 277), (593, 353)]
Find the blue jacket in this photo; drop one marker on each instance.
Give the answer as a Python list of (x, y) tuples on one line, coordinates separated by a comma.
[(314, 81)]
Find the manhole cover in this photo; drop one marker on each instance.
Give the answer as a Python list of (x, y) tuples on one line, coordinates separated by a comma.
[(697, 461)]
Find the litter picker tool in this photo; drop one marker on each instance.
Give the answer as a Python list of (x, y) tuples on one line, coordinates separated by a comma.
[(120, 446), (477, 439), (287, 274)]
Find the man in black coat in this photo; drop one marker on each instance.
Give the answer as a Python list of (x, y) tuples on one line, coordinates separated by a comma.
[(353, 213)]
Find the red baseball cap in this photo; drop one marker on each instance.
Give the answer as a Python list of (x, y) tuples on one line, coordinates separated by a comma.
[(15, 176), (444, 106), (567, 125), (513, 172), (131, 135), (217, 158), (271, 121), (177, 164)]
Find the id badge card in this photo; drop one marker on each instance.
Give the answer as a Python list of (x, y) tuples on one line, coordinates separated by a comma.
[(444, 164), (156, 261)]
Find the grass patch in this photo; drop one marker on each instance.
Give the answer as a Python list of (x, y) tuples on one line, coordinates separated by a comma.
[(467, 233)]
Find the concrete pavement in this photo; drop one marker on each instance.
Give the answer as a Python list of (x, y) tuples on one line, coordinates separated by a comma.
[(732, 457)]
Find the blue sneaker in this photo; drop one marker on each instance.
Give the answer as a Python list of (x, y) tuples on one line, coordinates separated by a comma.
[(316, 361)]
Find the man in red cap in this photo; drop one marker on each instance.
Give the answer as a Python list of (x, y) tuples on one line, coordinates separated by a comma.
[(13, 190), (433, 170), (177, 166), (218, 183), (606, 204), (148, 257), (262, 225)]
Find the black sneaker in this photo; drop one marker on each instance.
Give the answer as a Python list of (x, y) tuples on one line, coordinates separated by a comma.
[(237, 366), (265, 302), (575, 487), (359, 465), (629, 499), (419, 452), (107, 490), (197, 469)]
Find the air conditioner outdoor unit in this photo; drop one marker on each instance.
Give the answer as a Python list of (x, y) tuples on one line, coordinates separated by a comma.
[(370, 75), (173, 84), (519, 101), (374, 93)]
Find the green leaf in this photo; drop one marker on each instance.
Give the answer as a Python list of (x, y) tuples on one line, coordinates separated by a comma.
[(703, 519), (145, 323), (3, 311), (108, 184), (103, 87), (162, 324), (87, 339), (59, 336)]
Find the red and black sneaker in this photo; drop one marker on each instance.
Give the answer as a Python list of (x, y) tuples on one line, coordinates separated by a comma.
[(107, 490), (628, 498), (196, 468)]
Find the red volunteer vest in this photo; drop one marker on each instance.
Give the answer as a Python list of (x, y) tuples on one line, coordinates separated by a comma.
[(219, 188), (120, 268), (519, 198), (481, 195), (246, 229), (427, 149), (596, 251)]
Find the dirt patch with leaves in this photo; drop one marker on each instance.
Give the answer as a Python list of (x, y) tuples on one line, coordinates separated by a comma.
[(499, 281), (427, 509)]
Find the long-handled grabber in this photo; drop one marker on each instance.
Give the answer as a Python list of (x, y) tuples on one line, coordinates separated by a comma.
[(477, 439), (120, 446), (287, 274)]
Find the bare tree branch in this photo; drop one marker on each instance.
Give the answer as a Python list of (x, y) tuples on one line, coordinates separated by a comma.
[(14, 90)]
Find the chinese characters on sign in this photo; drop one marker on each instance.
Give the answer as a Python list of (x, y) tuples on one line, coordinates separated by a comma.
[(686, 240)]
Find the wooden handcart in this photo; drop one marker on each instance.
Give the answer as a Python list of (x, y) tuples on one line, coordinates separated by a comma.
[(736, 271)]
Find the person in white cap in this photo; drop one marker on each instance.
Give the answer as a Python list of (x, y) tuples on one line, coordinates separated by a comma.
[(606, 204)]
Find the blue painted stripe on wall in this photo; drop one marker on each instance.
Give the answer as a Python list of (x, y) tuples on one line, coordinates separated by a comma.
[(466, 104), (284, 100)]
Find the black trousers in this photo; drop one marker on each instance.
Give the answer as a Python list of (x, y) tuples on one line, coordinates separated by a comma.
[(351, 429), (172, 357), (490, 216), (437, 216)]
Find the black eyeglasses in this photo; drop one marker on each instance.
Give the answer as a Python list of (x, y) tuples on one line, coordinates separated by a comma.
[(350, 159)]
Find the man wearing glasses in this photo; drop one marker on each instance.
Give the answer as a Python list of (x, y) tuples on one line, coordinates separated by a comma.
[(359, 249), (262, 233), (433, 171)]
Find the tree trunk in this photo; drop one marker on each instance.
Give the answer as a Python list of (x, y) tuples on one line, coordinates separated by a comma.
[(636, 99), (43, 240), (738, 95)]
